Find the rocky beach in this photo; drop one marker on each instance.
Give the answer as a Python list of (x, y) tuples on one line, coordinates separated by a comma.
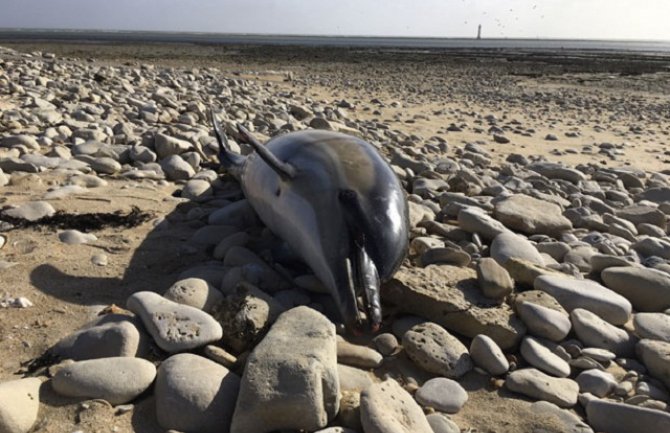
[(139, 291)]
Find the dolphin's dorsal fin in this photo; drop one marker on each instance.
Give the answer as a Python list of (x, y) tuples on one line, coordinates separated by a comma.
[(285, 170)]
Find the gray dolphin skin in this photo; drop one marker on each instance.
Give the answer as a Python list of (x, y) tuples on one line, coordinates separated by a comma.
[(336, 202)]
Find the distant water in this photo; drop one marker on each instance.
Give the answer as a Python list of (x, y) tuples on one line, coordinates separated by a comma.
[(535, 45)]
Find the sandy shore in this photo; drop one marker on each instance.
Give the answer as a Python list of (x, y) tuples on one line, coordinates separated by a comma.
[(582, 111)]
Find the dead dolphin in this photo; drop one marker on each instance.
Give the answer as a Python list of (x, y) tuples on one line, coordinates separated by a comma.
[(336, 202)]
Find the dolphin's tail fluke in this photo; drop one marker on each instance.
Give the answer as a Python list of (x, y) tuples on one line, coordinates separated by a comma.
[(230, 161)]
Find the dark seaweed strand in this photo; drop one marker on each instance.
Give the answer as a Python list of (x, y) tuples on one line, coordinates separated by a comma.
[(83, 222)]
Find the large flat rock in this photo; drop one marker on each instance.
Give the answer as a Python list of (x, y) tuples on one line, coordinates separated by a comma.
[(291, 377), (450, 296)]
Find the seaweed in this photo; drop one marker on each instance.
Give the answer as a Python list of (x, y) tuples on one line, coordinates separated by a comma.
[(84, 222)]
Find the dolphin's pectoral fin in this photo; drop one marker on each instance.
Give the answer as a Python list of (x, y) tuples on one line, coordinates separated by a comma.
[(285, 170), (229, 160)]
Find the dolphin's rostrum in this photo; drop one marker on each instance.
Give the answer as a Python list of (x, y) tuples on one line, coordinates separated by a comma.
[(336, 202)]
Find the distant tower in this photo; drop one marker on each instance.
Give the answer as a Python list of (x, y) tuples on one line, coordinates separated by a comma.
[(479, 32)]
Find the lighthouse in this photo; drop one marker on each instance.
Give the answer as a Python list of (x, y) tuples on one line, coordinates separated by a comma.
[(479, 32)]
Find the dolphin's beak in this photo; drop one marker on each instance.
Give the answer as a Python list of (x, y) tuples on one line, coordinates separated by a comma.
[(364, 281)]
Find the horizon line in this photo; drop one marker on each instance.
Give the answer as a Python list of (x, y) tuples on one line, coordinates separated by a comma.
[(193, 32)]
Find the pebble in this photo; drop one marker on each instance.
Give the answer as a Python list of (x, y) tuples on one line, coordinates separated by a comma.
[(356, 355), (113, 335), (596, 382), (572, 293), (612, 417), (487, 354), (100, 259), (535, 384), (296, 389), (75, 237), (174, 327), (386, 343), (433, 349), (531, 216), (647, 289), (441, 424), (353, 379), (31, 211), (442, 394), (544, 322), (506, 246), (654, 326), (594, 331), (176, 168), (197, 190), (194, 394), (195, 292), (19, 404), (474, 220), (220, 355), (493, 279), (386, 407), (117, 380), (655, 355), (539, 354)]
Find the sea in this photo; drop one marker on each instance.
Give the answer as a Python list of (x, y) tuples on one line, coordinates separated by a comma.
[(661, 48)]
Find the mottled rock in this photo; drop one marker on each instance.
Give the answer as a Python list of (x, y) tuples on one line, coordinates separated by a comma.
[(450, 297), (387, 408), (432, 348), (174, 327)]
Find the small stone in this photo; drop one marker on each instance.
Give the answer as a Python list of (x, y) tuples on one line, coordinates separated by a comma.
[(656, 357), (195, 292), (386, 344), (572, 293), (442, 394), (441, 424), (117, 380), (596, 382), (19, 404), (31, 211), (535, 384), (353, 379), (99, 259), (474, 220), (611, 417), (544, 322), (357, 356), (174, 327), (531, 216), (194, 394), (493, 279), (506, 246), (647, 289), (75, 237), (539, 354), (654, 326), (220, 355), (594, 331), (432, 348), (197, 190), (486, 354), (386, 407)]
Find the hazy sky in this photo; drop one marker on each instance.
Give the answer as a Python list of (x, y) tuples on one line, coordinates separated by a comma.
[(589, 19)]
